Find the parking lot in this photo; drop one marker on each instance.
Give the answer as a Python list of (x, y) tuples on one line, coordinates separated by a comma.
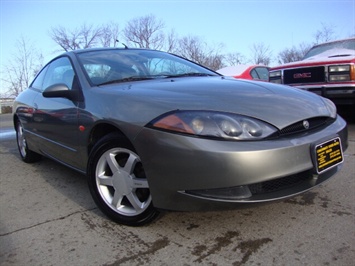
[(47, 217)]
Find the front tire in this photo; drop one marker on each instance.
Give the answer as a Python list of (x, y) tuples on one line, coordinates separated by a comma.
[(117, 182), (27, 155)]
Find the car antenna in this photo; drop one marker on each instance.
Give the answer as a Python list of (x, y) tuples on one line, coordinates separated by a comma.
[(125, 46)]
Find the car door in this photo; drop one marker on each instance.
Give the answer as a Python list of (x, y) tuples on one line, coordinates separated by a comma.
[(56, 119)]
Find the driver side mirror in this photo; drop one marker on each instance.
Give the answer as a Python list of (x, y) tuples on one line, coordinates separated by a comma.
[(61, 90)]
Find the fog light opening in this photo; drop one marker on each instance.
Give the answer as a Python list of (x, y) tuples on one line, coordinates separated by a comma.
[(232, 193)]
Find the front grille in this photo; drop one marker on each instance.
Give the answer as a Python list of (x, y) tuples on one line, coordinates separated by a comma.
[(280, 183), (299, 127), (304, 75)]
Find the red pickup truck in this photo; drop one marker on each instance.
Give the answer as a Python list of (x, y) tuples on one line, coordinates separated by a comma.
[(327, 69)]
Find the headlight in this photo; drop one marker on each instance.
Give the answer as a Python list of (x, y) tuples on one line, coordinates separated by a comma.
[(331, 107), (338, 73), (275, 77), (211, 124), (340, 68), (275, 74)]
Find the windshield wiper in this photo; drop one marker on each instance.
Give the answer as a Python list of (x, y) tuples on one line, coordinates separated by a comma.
[(192, 74), (133, 78), (137, 78)]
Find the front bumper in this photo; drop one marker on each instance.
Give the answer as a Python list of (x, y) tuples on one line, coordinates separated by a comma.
[(339, 94), (179, 167)]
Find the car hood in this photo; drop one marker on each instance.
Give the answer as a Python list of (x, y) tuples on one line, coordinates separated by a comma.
[(334, 53), (141, 102)]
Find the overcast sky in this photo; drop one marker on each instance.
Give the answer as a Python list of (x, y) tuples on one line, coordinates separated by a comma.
[(237, 24)]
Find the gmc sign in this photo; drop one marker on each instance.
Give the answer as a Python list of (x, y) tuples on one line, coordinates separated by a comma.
[(302, 75)]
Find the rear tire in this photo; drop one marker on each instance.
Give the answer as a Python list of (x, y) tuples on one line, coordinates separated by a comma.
[(117, 182), (27, 155)]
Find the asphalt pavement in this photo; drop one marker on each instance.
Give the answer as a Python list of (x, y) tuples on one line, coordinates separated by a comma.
[(47, 217)]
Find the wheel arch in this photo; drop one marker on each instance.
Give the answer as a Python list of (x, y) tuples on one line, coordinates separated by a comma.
[(99, 131), (15, 119)]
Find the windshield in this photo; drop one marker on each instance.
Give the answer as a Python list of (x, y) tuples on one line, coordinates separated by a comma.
[(123, 65), (340, 45)]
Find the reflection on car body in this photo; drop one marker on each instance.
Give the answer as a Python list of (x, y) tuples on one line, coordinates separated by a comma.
[(154, 131)]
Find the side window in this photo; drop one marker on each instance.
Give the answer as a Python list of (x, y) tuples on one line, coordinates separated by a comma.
[(38, 82), (59, 71), (254, 74), (263, 73), (260, 73)]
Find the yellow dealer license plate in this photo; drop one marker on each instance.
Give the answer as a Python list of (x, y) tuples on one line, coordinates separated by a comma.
[(328, 155)]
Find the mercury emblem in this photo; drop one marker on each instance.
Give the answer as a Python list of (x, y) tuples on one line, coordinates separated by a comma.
[(305, 124)]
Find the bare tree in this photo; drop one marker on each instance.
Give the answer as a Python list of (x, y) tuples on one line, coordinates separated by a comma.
[(261, 54), (304, 48), (22, 68), (293, 54), (145, 32), (110, 35), (171, 42), (191, 48), (325, 34), (234, 59), (195, 49), (86, 36)]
